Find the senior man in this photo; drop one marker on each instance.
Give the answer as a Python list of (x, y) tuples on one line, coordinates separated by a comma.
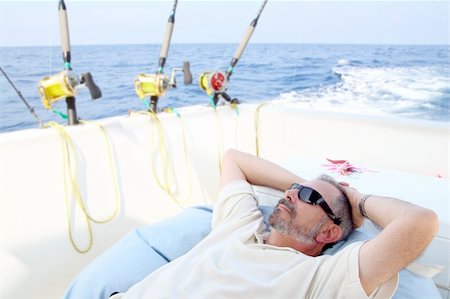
[(238, 259)]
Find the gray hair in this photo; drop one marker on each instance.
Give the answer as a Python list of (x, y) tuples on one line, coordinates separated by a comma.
[(341, 207)]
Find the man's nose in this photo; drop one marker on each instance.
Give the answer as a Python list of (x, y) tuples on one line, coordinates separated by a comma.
[(291, 195)]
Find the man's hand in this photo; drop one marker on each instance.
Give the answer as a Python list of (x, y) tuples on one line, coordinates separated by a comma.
[(354, 198), (408, 229)]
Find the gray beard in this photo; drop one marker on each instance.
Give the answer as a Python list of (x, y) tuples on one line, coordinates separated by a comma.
[(296, 231)]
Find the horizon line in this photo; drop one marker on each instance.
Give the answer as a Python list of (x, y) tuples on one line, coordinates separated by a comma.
[(235, 43)]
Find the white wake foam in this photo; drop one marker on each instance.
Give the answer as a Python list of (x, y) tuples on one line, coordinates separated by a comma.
[(401, 91)]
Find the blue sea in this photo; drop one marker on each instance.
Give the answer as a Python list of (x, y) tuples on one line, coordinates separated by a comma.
[(384, 80)]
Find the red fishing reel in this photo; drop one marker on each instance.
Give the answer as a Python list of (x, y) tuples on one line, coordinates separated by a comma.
[(213, 82), (215, 85)]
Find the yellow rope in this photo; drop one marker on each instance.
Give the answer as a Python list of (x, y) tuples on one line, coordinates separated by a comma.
[(67, 150), (257, 128), (186, 158), (219, 143), (68, 155), (236, 129), (165, 158), (113, 172), (162, 150), (166, 170)]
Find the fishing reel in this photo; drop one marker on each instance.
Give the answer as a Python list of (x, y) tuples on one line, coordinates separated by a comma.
[(151, 85), (215, 85), (66, 85), (213, 82), (157, 85)]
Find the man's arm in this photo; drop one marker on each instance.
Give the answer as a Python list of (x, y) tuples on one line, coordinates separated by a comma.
[(407, 231), (238, 165)]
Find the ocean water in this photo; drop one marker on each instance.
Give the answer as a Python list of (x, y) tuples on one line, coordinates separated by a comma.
[(392, 80)]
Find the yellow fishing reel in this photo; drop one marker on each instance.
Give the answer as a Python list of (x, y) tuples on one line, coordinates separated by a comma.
[(66, 85), (151, 85), (156, 85), (52, 89), (212, 82)]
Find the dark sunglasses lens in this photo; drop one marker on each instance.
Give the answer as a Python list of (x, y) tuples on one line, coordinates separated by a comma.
[(311, 196), (305, 194), (315, 196), (295, 186)]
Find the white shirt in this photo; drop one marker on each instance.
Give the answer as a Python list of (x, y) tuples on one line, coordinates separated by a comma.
[(233, 262)]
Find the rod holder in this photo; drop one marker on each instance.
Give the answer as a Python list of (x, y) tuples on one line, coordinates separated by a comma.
[(72, 118)]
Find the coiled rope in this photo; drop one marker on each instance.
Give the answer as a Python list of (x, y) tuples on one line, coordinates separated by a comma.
[(219, 132), (257, 126), (70, 172), (167, 175)]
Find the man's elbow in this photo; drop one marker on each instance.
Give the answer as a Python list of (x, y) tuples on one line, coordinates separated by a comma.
[(429, 223), (433, 220), (229, 153)]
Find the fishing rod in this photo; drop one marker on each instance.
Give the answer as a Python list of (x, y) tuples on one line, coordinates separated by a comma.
[(30, 108), (215, 83), (66, 84), (156, 85), (167, 37)]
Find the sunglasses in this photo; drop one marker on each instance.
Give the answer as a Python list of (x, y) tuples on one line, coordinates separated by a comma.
[(312, 197)]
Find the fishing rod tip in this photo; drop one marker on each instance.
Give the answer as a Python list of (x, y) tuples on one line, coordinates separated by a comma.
[(61, 5)]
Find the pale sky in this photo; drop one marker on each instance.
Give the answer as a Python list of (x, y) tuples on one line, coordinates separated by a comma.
[(31, 23)]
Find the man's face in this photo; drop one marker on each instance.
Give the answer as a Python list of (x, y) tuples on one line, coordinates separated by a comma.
[(284, 220), (299, 220)]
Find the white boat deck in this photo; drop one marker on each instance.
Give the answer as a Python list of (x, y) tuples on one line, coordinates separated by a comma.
[(410, 157)]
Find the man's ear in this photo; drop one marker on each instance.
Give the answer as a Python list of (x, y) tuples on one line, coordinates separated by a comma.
[(329, 234)]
